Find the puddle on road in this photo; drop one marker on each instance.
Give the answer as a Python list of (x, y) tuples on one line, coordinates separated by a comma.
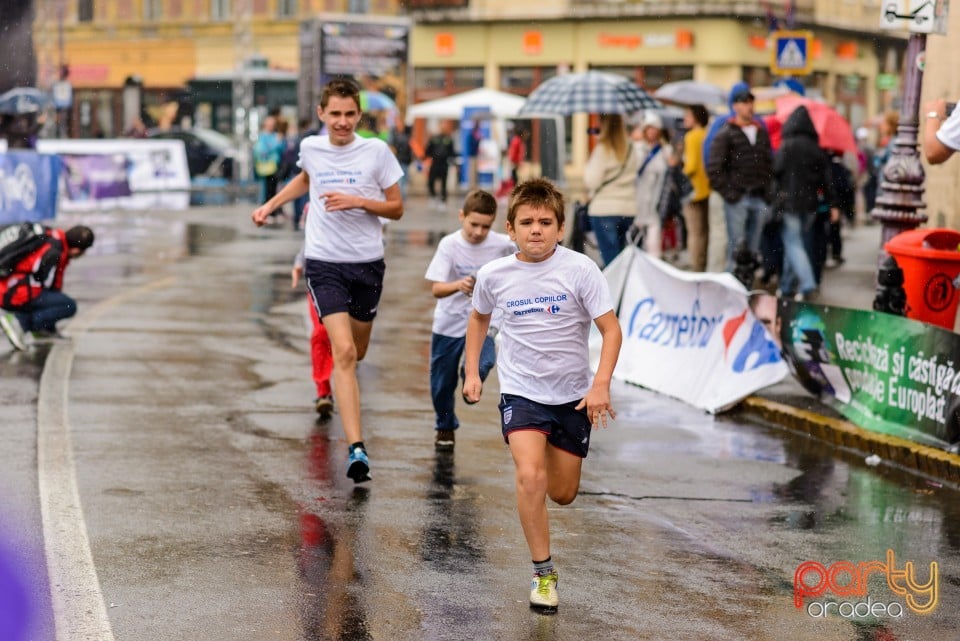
[(200, 237)]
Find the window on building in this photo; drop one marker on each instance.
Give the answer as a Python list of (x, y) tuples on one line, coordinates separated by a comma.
[(125, 10), (436, 82), (652, 77), (465, 78), (286, 8), (220, 9), (85, 10), (152, 9), (358, 6), (523, 80)]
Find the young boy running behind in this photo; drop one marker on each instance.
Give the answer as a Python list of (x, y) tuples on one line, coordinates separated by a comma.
[(548, 296), (453, 272)]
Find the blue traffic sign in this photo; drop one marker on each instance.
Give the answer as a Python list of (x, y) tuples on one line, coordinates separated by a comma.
[(791, 52)]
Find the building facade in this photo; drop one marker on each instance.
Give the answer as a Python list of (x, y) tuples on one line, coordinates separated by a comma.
[(511, 47), (161, 45)]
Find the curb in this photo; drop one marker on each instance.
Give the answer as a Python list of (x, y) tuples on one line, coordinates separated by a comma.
[(926, 460)]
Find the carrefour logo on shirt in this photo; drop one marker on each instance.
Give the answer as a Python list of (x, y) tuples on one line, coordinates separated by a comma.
[(338, 177), (539, 302)]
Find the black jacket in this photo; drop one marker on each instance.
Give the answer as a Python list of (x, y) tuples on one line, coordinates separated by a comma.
[(737, 168), (801, 169)]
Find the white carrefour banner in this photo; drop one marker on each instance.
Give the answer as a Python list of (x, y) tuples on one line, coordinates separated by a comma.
[(688, 335), (121, 173)]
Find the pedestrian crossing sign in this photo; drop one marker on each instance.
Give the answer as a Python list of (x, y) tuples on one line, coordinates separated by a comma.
[(791, 53)]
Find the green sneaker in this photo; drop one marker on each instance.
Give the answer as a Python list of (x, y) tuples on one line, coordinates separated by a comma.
[(11, 327), (543, 592)]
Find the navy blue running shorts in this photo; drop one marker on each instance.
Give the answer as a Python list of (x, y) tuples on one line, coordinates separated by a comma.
[(354, 288), (566, 428)]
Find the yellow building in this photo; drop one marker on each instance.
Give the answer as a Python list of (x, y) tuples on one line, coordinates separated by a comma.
[(461, 44), (163, 44)]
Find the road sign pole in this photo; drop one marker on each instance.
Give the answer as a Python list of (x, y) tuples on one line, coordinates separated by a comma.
[(900, 197)]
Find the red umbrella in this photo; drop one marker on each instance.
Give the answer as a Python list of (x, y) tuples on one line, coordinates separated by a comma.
[(834, 130)]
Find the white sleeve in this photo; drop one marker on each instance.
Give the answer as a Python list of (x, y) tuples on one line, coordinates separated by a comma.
[(441, 264), (949, 131), (483, 299), (390, 171), (595, 293)]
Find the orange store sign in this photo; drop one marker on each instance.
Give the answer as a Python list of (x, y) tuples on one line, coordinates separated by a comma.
[(443, 44), (533, 42), (680, 39)]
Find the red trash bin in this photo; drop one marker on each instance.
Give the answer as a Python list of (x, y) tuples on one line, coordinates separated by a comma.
[(930, 260)]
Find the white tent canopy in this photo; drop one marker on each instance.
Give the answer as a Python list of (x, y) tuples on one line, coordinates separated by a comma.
[(501, 105)]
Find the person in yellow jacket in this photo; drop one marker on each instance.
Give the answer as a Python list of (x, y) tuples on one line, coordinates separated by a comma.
[(696, 210)]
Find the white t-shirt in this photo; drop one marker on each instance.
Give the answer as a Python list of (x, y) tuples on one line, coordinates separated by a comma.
[(547, 310), (364, 168), (457, 258), (949, 131)]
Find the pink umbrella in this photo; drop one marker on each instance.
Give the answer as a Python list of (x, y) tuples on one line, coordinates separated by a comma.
[(833, 129)]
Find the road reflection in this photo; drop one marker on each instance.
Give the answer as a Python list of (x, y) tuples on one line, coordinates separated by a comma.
[(332, 605)]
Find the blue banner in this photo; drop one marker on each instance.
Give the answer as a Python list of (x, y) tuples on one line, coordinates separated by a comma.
[(28, 186)]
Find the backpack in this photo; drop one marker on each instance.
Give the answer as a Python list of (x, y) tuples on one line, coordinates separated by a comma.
[(16, 243), (264, 158)]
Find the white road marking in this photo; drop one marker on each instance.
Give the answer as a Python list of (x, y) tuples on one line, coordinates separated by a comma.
[(79, 611)]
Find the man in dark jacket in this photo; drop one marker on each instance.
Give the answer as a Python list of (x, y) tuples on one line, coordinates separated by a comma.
[(32, 295), (440, 152), (739, 166), (802, 176)]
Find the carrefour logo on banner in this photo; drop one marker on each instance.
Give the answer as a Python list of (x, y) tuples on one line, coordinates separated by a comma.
[(20, 187)]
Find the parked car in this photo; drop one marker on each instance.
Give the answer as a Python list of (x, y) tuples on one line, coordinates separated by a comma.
[(210, 154)]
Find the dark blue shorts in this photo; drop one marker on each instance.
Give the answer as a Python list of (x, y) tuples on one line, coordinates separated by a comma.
[(354, 288), (566, 428)]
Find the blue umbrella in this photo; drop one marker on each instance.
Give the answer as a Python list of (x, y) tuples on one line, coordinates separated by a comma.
[(376, 101), (588, 92), (23, 100)]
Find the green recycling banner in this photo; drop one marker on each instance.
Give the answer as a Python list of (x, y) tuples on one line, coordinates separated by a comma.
[(884, 373)]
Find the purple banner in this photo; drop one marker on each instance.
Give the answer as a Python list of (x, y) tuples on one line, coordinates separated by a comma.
[(96, 177)]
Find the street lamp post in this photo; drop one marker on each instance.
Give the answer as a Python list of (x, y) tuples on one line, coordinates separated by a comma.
[(242, 87), (900, 200)]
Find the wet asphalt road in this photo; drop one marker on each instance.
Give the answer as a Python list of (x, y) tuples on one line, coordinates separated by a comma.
[(217, 508)]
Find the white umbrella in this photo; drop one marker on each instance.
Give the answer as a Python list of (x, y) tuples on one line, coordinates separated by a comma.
[(692, 92)]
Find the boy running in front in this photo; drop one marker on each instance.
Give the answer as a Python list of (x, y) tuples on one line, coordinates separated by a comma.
[(548, 295)]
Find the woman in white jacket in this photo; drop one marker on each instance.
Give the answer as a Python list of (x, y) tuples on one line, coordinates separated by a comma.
[(610, 177), (654, 155)]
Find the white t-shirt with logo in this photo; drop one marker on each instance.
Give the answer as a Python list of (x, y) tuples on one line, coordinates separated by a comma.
[(457, 258), (364, 168), (547, 310)]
